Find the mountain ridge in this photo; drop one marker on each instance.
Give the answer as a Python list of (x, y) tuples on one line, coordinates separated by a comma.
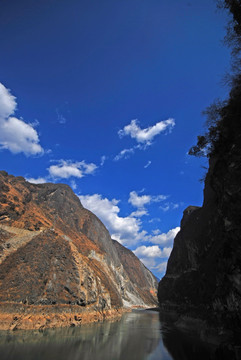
[(54, 252)]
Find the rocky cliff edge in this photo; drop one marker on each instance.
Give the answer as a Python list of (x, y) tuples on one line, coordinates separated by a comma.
[(54, 254)]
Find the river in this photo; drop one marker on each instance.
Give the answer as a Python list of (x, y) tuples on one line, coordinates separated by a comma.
[(138, 335)]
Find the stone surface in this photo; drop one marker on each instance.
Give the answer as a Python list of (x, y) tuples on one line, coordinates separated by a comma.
[(54, 252), (204, 269), (142, 284)]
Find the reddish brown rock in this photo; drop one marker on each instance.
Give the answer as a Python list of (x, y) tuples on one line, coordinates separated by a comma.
[(53, 252)]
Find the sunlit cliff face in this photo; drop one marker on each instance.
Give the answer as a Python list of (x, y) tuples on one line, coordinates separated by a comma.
[(53, 251)]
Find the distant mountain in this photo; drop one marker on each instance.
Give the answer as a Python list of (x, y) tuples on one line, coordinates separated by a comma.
[(54, 252)]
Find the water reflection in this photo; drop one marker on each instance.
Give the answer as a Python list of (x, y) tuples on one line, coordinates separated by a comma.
[(198, 341), (139, 335), (185, 345), (135, 336)]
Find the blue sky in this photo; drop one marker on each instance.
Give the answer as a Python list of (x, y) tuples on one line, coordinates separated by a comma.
[(107, 96)]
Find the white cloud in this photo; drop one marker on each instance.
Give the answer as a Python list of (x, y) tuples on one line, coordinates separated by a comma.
[(73, 185), (67, 168), (161, 268), (7, 102), (145, 136), (126, 230), (154, 258), (15, 134), (88, 168), (147, 164), (139, 213), (152, 251), (169, 206), (165, 239), (150, 263), (141, 201), (125, 153), (18, 136), (154, 220), (39, 180)]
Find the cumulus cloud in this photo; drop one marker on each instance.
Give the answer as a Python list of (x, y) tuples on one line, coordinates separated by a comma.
[(15, 134), (165, 239), (139, 213), (152, 251), (156, 231), (39, 180), (7, 102), (138, 201), (67, 168), (154, 258), (142, 200), (145, 136), (126, 230)]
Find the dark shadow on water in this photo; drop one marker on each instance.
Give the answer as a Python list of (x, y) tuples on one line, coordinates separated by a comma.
[(197, 341), (185, 346)]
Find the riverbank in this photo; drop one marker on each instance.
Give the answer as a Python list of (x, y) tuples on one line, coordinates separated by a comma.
[(36, 317)]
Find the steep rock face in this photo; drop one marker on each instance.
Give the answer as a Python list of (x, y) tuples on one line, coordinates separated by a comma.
[(53, 251), (142, 284), (204, 268)]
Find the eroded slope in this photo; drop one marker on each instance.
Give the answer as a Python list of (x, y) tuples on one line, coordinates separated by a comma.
[(53, 252)]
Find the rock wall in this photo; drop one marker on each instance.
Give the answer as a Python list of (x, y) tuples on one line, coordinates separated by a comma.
[(141, 286), (204, 268), (53, 251)]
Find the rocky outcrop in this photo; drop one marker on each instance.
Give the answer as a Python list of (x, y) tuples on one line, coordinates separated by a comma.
[(54, 252), (204, 269)]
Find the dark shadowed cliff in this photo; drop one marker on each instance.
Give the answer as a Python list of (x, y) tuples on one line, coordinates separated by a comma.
[(55, 252), (204, 269)]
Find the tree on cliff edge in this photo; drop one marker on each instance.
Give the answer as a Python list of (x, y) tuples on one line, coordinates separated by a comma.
[(223, 117)]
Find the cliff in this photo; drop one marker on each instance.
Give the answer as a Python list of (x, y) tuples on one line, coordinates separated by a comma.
[(56, 254), (139, 275), (204, 269)]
